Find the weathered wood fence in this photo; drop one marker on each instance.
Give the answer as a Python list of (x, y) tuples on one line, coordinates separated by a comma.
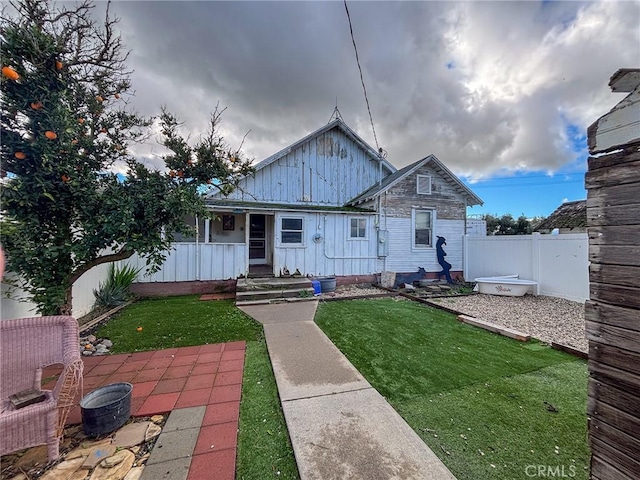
[(613, 314)]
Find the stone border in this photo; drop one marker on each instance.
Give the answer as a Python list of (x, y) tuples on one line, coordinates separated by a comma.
[(92, 323), (359, 297), (554, 345)]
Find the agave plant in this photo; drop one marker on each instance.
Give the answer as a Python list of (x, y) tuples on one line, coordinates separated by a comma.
[(116, 289)]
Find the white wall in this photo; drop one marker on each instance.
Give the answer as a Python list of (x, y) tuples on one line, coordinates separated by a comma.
[(83, 298), (190, 261), (559, 263), (403, 258)]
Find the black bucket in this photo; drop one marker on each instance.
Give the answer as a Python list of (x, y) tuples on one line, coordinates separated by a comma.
[(106, 408), (328, 284)]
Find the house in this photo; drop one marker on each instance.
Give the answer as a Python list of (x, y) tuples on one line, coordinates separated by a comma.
[(570, 217), (329, 204)]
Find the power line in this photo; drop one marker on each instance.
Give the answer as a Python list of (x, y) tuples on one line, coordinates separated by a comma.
[(366, 98)]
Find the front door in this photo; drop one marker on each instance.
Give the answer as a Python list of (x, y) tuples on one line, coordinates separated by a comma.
[(257, 239)]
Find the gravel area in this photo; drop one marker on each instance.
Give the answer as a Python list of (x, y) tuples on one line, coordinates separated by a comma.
[(548, 319), (354, 290)]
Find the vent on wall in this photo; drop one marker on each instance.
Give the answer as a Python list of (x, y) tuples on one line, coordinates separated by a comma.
[(424, 184)]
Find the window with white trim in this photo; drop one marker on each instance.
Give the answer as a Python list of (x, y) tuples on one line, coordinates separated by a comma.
[(422, 228), (291, 230), (357, 228), (424, 184)]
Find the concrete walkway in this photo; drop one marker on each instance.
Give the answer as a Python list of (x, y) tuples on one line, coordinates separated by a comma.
[(340, 426)]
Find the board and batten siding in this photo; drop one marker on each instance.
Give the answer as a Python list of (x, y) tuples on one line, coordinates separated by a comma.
[(403, 258), (329, 169), (191, 261), (327, 248), (613, 314)]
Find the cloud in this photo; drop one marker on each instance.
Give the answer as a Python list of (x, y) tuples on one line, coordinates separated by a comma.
[(487, 87)]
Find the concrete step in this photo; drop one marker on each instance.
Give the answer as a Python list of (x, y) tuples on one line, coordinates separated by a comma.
[(274, 293), (272, 301), (267, 283)]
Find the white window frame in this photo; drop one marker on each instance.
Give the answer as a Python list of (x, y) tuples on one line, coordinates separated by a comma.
[(418, 178), (281, 230), (414, 212), (364, 237)]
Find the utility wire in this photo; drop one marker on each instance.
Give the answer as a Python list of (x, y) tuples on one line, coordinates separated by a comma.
[(366, 98)]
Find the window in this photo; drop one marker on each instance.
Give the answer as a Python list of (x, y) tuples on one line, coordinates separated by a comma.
[(358, 228), (291, 231), (424, 184), (422, 228), (190, 221)]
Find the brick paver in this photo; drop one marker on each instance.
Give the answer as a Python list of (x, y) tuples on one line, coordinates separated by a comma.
[(165, 380)]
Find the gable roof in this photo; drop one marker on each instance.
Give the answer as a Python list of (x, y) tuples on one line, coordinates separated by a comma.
[(337, 123), (390, 180), (567, 215)]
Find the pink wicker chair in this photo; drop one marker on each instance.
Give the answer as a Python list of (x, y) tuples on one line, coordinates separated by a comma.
[(26, 346)]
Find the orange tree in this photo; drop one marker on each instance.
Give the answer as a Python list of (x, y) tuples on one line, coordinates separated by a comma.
[(66, 128)]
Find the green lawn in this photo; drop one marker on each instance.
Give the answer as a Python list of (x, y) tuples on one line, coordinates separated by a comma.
[(476, 398), (264, 449)]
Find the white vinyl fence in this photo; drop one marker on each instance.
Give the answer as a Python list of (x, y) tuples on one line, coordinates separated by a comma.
[(83, 298), (559, 263)]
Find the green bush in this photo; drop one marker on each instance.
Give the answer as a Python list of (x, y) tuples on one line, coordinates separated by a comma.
[(116, 289)]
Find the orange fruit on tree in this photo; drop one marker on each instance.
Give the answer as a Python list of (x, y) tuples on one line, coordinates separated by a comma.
[(99, 99), (36, 105), (81, 121), (50, 135), (10, 73), (117, 95), (172, 174), (65, 178), (20, 155), (59, 65), (74, 141)]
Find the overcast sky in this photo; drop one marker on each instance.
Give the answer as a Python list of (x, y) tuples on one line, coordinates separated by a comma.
[(490, 88)]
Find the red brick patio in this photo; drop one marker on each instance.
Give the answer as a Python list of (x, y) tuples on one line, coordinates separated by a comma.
[(164, 380)]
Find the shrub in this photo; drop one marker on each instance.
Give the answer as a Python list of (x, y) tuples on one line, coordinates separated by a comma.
[(116, 289)]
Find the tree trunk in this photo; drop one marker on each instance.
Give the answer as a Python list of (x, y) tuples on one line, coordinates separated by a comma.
[(67, 307)]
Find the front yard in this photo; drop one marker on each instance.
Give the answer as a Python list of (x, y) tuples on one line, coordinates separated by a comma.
[(488, 406)]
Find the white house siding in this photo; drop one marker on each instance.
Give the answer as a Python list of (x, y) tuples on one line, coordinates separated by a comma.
[(327, 170), (190, 261), (334, 253), (403, 258)]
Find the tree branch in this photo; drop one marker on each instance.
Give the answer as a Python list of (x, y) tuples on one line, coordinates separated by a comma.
[(122, 254)]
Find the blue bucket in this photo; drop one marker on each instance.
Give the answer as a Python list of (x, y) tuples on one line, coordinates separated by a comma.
[(316, 287)]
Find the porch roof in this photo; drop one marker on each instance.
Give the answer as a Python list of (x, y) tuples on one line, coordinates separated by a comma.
[(248, 206)]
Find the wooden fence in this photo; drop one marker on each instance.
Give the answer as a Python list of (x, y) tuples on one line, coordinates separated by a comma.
[(613, 314)]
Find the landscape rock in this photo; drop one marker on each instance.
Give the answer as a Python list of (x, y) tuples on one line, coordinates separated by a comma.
[(34, 456), (157, 418), (97, 454), (131, 434), (116, 458), (107, 343), (116, 472), (135, 473), (153, 431), (63, 470)]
